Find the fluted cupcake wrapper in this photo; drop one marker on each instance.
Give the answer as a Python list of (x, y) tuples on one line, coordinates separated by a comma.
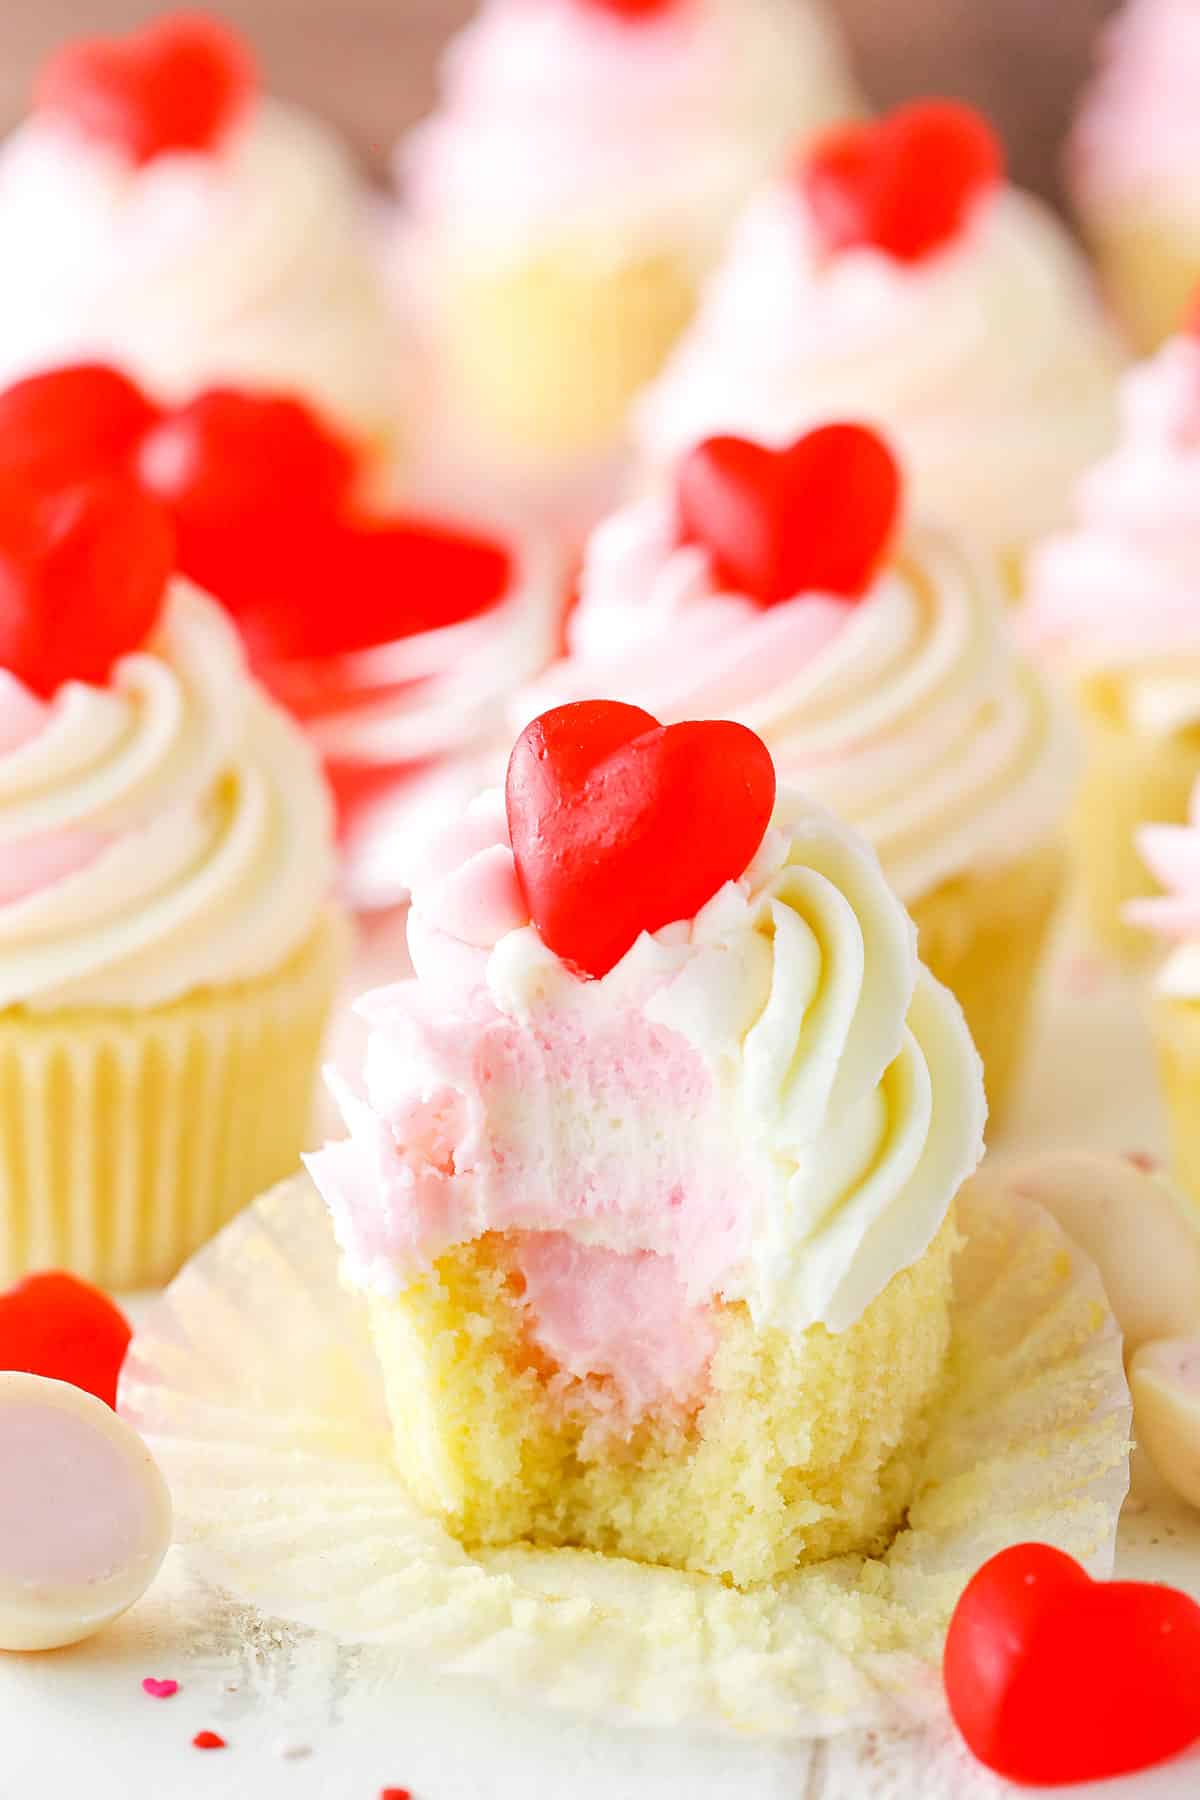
[(128, 1138), (257, 1386), (984, 935), (1129, 780), (1177, 1041), (547, 354)]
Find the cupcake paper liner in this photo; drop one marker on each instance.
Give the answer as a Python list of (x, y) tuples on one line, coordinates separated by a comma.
[(1177, 1041), (128, 1139), (1129, 780), (1149, 268), (548, 354), (257, 1387), (984, 936)]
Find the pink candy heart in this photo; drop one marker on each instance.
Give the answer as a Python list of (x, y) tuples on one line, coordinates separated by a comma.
[(159, 1690)]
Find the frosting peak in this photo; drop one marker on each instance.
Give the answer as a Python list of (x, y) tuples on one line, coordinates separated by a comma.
[(1172, 854)]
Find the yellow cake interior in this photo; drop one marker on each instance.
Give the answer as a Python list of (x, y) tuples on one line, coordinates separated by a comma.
[(801, 1447)]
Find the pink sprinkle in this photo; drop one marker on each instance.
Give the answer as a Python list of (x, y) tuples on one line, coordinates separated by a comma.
[(159, 1690), (1144, 1160), (1084, 976)]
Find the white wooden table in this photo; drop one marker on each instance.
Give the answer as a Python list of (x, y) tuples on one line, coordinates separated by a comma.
[(305, 1721)]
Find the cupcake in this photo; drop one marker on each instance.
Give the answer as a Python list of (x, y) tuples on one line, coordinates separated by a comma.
[(1114, 605), (396, 640), (1172, 855), (574, 185), (785, 589), (1132, 165), (158, 212), (889, 274), (168, 952), (650, 1191)]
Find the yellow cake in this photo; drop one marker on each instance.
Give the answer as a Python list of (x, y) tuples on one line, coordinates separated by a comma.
[(658, 1243)]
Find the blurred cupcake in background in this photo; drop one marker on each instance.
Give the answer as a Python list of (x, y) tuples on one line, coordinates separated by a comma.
[(158, 212), (572, 189), (890, 274), (1114, 605), (169, 949), (1133, 160), (396, 640), (1172, 854), (786, 590)]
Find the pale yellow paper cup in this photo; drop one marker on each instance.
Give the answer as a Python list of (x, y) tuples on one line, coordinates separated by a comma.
[(546, 355), (1177, 1041), (257, 1387), (1129, 780), (1149, 268), (983, 935), (128, 1138)]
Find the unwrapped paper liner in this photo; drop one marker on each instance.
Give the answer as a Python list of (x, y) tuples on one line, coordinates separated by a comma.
[(256, 1384)]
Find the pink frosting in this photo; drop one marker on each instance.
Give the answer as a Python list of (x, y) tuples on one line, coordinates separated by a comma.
[(26, 868), (1123, 585), (1139, 125)]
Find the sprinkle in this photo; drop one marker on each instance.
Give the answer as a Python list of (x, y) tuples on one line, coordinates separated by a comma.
[(394, 1794), (208, 1740), (1143, 1160), (159, 1690), (292, 1752)]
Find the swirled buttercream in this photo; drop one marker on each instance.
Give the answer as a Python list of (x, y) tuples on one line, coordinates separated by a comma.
[(774, 1097), (559, 118), (908, 713), (163, 834), (249, 264), (988, 364), (1119, 593)]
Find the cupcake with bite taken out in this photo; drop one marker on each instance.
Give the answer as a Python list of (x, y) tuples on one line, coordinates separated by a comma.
[(791, 590), (158, 212), (651, 1186), (1132, 165), (890, 274), (168, 948), (572, 188), (1114, 607)]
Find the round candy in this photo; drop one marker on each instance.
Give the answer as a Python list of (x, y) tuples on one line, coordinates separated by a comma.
[(85, 1517)]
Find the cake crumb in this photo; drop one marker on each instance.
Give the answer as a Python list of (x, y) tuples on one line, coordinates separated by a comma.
[(291, 1751)]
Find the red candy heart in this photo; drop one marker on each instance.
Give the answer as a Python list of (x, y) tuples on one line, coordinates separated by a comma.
[(179, 84), (56, 1326), (633, 9), (243, 474), (83, 574), (817, 518), (72, 423), (1053, 1678), (905, 184), (620, 825)]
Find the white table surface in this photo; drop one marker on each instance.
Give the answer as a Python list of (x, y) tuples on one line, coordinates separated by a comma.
[(307, 1721)]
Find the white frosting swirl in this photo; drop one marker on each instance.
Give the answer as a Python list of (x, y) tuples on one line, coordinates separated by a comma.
[(415, 723), (249, 264), (773, 1095), (1137, 137), (207, 829), (560, 118), (908, 713), (1119, 594), (988, 363)]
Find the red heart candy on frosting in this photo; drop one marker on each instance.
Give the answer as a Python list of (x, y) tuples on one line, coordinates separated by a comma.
[(62, 1328), (816, 518), (83, 575), (179, 84), (905, 184), (72, 423), (1053, 1678), (633, 9), (621, 825)]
